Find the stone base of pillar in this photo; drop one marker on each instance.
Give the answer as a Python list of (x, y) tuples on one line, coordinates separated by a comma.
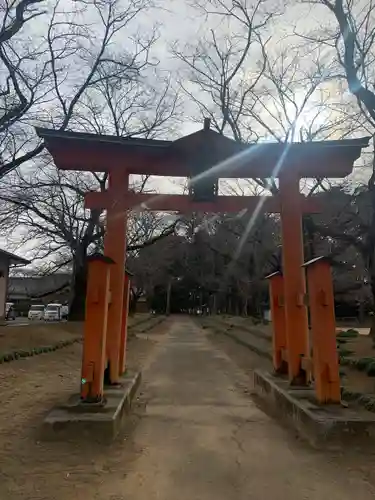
[(329, 426), (100, 422)]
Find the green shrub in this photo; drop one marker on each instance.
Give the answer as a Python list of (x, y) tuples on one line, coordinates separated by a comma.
[(341, 341), (363, 363), (368, 402), (345, 352), (348, 334), (370, 370), (344, 361), (353, 331), (350, 395)]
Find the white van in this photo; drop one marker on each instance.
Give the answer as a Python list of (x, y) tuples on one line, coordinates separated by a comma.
[(64, 312), (52, 312), (10, 313), (36, 312)]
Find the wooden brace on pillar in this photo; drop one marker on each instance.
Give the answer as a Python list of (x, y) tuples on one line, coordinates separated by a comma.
[(95, 330), (323, 326), (276, 287)]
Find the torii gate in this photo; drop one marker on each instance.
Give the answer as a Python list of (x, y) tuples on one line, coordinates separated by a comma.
[(203, 156)]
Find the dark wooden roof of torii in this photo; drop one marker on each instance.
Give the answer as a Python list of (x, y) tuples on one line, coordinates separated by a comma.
[(82, 151)]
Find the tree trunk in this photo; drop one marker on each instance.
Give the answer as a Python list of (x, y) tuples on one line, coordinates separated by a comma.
[(238, 306), (168, 305), (372, 329), (245, 305), (78, 303), (309, 237), (361, 309), (133, 303), (214, 304), (370, 244)]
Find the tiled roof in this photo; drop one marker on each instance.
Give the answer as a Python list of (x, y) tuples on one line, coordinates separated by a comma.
[(37, 286), (13, 259)]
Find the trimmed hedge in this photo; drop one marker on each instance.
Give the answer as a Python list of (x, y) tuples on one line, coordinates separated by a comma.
[(341, 341), (345, 352), (363, 364), (224, 329), (365, 400), (23, 353), (348, 334), (151, 324)]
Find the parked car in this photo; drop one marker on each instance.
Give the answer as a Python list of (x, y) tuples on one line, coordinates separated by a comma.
[(36, 312), (64, 312), (53, 312), (10, 312)]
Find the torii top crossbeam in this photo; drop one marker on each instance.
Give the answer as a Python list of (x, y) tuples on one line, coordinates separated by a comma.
[(98, 153)]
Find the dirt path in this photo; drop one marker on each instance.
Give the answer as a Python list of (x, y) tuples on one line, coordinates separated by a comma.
[(200, 437)]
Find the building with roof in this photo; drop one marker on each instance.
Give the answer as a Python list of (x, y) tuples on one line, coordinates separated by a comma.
[(27, 290), (7, 260)]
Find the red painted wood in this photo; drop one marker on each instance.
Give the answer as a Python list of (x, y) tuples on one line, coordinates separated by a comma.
[(324, 162), (184, 204)]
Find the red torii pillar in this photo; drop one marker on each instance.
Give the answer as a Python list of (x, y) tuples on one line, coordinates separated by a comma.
[(124, 324), (115, 248), (323, 329), (296, 317), (279, 345), (95, 331)]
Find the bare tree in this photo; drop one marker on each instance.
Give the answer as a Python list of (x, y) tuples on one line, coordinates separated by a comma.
[(351, 45), (203, 262), (88, 67), (252, 91), (44, 214), (219, 74), (252, 85), (49, 67), (122, 107)]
